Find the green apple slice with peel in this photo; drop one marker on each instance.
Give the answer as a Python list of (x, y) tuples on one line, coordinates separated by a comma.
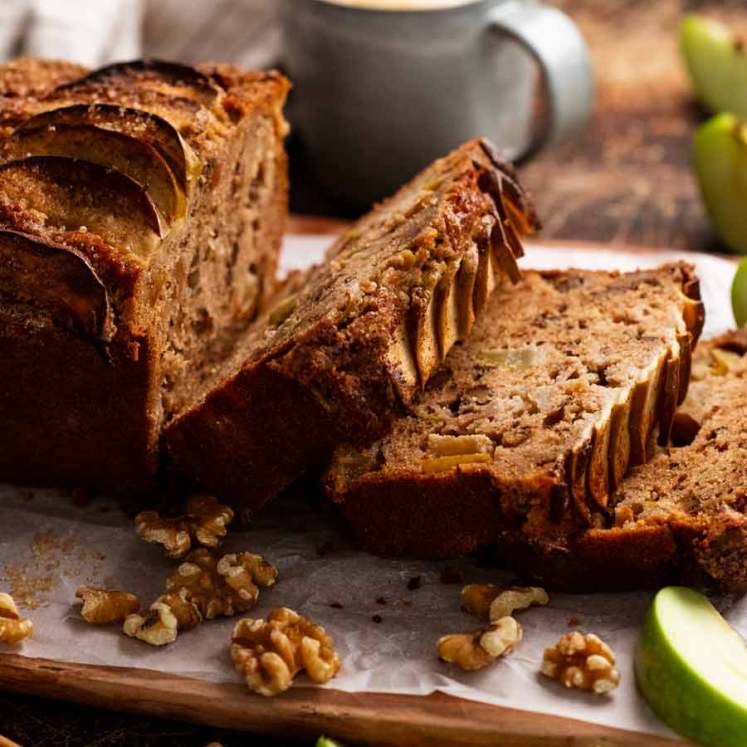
[(739, 293), (691, 667), (327, 742), (720, 160), (717, 62)]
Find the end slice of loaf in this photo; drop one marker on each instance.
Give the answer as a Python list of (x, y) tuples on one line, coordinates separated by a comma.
[(682, 517), (534, 420), (141, 212), (341, 357)]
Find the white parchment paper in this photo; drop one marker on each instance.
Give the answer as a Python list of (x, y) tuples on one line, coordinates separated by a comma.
[(49, 545)]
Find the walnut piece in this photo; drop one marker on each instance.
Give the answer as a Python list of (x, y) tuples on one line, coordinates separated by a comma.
[(270, 653), (157, 628), (13, 628), (582, 661), (208, 519), (494, 602), (244, 572), (202, 588), (205, 523), (104, 606), (185, 611), (222, 586), (173, 534), (478, 649)]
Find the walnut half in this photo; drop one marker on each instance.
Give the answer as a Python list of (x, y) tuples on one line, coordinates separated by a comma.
[(478, 649), (270, 653), (205, 523), (494, 602), (104, 606), (222, 586), (583, 661), (13, 628)]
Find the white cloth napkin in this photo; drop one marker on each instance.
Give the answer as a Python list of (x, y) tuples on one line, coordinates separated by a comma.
[(91, 32), (95, 32), (244, 32)]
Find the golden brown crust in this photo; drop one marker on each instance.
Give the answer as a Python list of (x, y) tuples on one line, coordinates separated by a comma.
[(24, 81), (30, 77), (364, 333)]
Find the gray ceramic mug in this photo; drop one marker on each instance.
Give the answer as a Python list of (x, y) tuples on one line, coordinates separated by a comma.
[(382, 87)]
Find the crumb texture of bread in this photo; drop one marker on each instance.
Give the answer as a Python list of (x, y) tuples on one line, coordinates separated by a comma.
[(142, 207), (567, 381), (350, 348)]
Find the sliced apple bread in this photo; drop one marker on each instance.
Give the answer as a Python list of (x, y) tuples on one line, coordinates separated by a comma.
[(141, 211), (533, 421), (683, 516), (340, 358)]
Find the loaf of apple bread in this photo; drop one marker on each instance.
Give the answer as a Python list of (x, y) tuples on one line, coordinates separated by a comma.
[(141, 211), (531, 424), (682, 517), (338, 359)]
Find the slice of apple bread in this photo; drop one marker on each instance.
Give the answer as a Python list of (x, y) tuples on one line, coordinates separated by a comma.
[(533, 421), (141, 212), (682, 517), (337, 360)]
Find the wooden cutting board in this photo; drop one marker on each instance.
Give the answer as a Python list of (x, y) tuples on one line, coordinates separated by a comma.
[(366, 718)]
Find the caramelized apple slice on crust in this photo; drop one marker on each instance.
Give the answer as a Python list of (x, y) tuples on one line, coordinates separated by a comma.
[(58, 279), (138, 160), (146, 127), (62, 194), (172, 78)]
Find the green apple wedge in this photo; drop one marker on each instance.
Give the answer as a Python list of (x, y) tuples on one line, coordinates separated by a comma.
[(717, 62), (691, 667), (739, 293), (327, 742), (720, 161)]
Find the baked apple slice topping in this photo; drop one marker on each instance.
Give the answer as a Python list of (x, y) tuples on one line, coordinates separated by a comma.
[(147, 127), (172, 78), (108, 148), (59, 279), (50, 192)]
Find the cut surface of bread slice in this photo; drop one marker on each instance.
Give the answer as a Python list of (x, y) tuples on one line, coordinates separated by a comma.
[(338, 359), (141, 212), (533, 421), (682, 516)]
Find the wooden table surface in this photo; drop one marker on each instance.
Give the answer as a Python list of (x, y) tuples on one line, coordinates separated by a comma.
[(625, 179)]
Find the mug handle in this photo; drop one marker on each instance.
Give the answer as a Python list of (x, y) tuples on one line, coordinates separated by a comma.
[(556, 44)]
